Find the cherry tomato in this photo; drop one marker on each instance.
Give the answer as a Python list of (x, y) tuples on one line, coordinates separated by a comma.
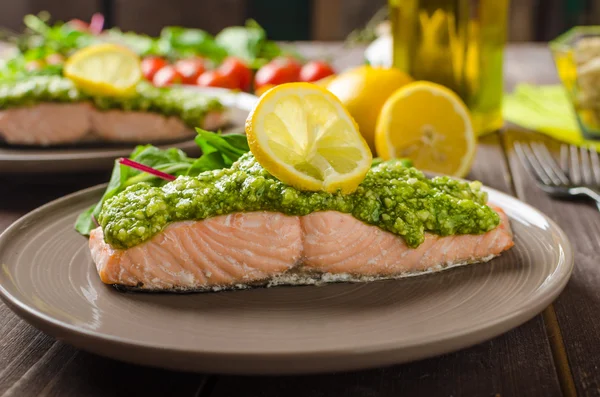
[(166, 76), (190, 69), (238, 70), (55, 59), (33, 66), (278, 71), (315, 70), (214, 78), (151, 65), (292, 66)]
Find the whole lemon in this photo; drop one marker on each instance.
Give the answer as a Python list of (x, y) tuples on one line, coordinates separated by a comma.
[(364, 90)]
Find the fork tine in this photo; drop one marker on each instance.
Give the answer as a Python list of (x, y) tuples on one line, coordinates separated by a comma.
[(586, 169), (595, 165), (574, 169), (530, 163), (564, 158), (550, 166)]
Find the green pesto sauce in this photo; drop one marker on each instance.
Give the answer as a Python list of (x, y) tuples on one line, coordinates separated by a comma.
[(185, 104), (393, 197)]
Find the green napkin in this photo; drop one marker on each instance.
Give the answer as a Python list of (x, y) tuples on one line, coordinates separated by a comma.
[(546, 109)]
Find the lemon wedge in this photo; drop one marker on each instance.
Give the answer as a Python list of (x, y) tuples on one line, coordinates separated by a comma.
[(430, 125), (302, 134), (104, 69)]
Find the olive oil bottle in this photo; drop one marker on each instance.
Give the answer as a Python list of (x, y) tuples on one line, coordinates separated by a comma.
[(456, 43)]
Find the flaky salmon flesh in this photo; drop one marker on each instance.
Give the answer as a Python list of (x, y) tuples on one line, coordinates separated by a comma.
[(268, 248), (66, 123)]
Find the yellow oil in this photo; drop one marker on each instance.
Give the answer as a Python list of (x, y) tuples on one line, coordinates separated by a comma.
[(456, 43)]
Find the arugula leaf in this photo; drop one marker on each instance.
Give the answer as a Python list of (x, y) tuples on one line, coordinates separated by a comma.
[(219, 151), (141, 44), (180, 41), (231, 146), (248, 43), (244, 42), (85, 221), (208, 161), (60, 37), (182, 37), (37, 23)]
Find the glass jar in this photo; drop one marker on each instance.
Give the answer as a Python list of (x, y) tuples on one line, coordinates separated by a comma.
[(577, 57), (458, 44)]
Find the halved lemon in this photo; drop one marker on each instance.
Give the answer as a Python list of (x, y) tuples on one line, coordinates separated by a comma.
[(430, 125), (302, 134), (104, 69), (363, 90)]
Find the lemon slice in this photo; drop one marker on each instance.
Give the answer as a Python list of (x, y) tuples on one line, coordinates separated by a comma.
[(302, 134), (104, 69), (430, 125)]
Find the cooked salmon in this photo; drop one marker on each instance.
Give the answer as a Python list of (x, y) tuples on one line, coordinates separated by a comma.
[(45, 124), (125, 126), (261, 248), (66, 123)]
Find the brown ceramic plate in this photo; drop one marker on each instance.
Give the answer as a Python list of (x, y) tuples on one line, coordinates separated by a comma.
[(48, 278), (101, 156)]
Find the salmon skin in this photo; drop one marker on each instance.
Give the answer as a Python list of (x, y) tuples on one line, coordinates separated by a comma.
[(50, 123), (244, 250)]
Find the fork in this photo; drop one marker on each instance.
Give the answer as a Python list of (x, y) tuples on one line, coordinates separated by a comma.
[(577, 175)]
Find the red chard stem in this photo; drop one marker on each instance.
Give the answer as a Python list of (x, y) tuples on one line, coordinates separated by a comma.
[(145, 168)]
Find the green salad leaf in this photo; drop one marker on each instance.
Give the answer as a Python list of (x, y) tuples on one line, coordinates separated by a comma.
[(231, 147), (174, 42), (219, 151), (59, 37), (248, 43), (41, 38), (141, 44), (178, 41)]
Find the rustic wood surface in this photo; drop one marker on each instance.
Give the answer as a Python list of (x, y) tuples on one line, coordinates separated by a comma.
[(554, 354)]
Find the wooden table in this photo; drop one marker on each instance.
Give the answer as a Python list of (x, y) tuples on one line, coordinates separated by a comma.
[(557, 353)]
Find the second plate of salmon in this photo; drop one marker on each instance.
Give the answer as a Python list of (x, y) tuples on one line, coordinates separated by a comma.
[(25, 149), (49, 278)]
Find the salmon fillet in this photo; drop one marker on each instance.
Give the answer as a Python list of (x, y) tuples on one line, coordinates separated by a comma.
[(125, 126), (66, 123), (267, 248), (45, 124)]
